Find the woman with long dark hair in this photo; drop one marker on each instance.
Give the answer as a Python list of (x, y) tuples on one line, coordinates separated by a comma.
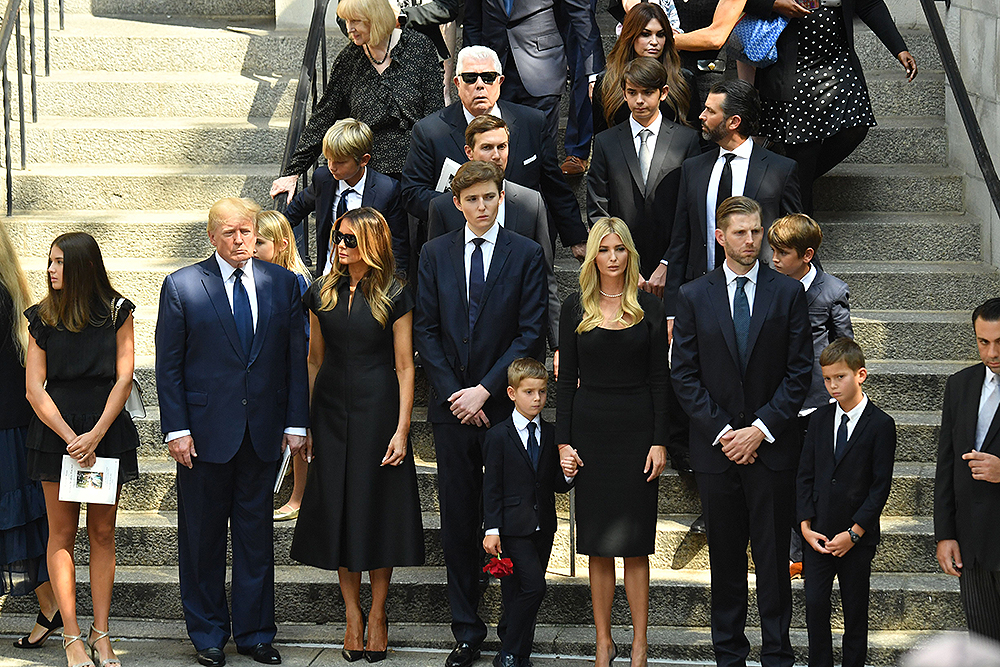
[(645, 32), (79, 373)]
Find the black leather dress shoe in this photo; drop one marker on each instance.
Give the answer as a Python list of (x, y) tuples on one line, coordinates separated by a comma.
[(211, 657), (462, 655), (503, 659), (699, 527), (263, 653)]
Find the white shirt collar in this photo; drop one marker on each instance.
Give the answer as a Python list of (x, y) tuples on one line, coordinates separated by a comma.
[(228, 269), (742, 151), (854, 414), (637, 127), (495, 111), (490, 236), (807, 280), (990, 375), (732, 275), (358, 187), (521, 422)]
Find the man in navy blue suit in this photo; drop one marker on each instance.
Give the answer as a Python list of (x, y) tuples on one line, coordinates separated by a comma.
[(481, 301), (233, 394)]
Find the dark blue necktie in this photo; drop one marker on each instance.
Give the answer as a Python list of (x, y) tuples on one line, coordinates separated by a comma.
[(241, 311), (533, 445), (741, 320), (509, 6), (841, 439), (477, 280), (342, 204)]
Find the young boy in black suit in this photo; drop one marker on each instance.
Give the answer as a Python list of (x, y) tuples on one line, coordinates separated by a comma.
[(845, 472), (522, 472)]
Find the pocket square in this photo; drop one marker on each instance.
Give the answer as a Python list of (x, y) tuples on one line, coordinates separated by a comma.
[(531, 159)]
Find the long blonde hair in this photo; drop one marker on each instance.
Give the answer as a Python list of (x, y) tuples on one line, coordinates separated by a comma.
[(13, 279), (274, 227), (380, 284), (629, 312)]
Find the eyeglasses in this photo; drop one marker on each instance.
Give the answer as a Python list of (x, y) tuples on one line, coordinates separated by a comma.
[(487, 77), (349, 240)]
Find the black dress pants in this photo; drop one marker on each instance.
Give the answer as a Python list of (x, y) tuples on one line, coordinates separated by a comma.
[(853, 571), (980, 592), (523, 589)]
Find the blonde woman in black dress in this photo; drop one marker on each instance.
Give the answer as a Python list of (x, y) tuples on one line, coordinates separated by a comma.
[(612, 339), (79, 374)]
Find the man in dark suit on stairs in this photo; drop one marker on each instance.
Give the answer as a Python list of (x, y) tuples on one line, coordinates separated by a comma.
[(967, 487)]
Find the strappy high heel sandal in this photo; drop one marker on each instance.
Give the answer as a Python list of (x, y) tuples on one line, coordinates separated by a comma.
[(76, 638), (95, 654), (50, 627)]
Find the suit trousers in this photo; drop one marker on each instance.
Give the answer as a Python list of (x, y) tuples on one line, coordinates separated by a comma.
[(756, 504), (853, 571), (459, 451), (210, 497), (523, 589), (980, 592)]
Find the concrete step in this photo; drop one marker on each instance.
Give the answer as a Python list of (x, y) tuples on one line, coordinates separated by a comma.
[(150, 539), (885, 188), (889, 285), (123, 187), (937, 335), (171, 9), (71, 92), (904, 140), (137, 279), (874, 55), (910, 385), (676, 598), (937, 237), (154, 141), (892, 95)]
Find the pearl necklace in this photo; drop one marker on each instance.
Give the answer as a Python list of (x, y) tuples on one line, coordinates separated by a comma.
[(610, 296)]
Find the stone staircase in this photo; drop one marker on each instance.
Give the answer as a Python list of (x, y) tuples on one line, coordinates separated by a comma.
[(145, 123)]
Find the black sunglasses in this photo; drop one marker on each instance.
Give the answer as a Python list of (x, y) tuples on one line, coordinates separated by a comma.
[(349, 240), (487, 77)]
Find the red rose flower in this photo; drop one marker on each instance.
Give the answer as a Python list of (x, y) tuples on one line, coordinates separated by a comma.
[(499, 567)]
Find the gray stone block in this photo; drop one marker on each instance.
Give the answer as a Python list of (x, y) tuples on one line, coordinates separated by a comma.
[(936, 237), (884, 188), (915, 335), (892, 95), (903, 141), (887, 285), (874, 55)]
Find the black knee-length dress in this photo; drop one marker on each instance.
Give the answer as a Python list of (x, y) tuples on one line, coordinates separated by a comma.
[(618, 412), (355, 513)]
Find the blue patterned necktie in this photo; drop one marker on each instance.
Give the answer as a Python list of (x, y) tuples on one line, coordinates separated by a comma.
[(533, 445), (841, 439), (741, 320), (477, 280), (241, 311)]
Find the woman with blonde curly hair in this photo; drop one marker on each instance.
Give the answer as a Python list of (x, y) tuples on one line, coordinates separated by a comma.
[(611, 420), (360, 511)]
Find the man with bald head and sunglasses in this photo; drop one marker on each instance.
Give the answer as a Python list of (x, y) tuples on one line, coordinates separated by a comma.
[(437, 149)]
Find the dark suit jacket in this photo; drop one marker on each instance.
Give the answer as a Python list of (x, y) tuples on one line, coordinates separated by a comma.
[(524, 213), (381, 193), (706, 371), (648, 209), (772, 180), (835, 496), (966, 509), (777, 82), (205, 382), (830, 318), (510, 324), (532, 162), (517, 499)]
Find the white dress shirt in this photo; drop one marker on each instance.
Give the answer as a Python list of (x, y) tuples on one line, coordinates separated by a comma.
[(991, 383), (491, 241), (751, 291), (740, 166), (654, 127), (853, 415), (495, 111)]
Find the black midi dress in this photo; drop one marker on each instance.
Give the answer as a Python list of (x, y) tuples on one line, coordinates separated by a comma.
[(618, 412), (356, 513)]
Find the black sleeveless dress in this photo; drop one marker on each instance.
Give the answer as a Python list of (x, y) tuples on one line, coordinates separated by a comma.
[(80, 373), (357, 513)]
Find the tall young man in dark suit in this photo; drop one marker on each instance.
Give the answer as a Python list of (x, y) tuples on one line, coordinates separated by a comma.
[(738, 168), (742, 360), (231, 379), (522, 210), (480, 305), (967, 487), (843, 482)]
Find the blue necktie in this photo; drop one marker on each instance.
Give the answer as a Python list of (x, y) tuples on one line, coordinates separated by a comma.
[(533, 445), (841, 439), (741, 320), (509, 6), (477, 280), (241, 311), (342, 203)]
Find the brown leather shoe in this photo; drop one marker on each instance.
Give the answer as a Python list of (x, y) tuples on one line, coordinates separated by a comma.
[(795, 570), (574, 166)]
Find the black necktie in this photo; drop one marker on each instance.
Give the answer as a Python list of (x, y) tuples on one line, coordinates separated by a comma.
[(841, 439), (741, 320), (342, 204), (533, 445), (477, 280), (725, 192), (241, 311)]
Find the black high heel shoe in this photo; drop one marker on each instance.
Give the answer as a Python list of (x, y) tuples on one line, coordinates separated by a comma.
[(351, 655), (379, 656), (50, 627)]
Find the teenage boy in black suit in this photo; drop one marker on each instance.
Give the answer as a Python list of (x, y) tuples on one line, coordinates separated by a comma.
[(845, 472), (480, 305), (522, 473)]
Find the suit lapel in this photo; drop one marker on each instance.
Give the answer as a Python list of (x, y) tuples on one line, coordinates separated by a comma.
[(660, 151), (755, 172), (516, 441), (510, 217), (518, 153), (457, 252), (971, 408), (264, 286), (212, 280), (627, 143), (816, 288), (455, 116), (370, 195), (500, 253), (761, 304), (720, 302)]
